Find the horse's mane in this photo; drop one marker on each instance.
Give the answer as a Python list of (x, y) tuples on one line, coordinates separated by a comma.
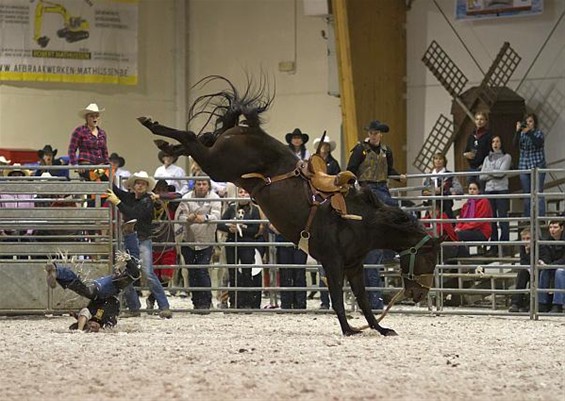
[(224, 108), (386, 215)]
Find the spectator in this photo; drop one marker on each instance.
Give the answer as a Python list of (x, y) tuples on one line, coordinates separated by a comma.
[(218, 187), (530, 140), (442, 185), (175, 175), (243, 209), (103, 309), (291, 276), (442, 229), (297, 143), (47, 158), (198, 212), (138, 205), (521, 302), (4, 161), (163, 234), (23, 201), (493, 172), (474, 208), (478, 144), (118, 163), (372, 162), (547, 278), (332, 166), (89, 140)]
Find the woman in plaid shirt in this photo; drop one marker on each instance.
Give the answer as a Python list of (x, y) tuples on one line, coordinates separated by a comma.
[(530, 141)]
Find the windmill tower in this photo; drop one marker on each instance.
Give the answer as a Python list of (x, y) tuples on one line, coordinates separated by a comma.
[(504, 106)]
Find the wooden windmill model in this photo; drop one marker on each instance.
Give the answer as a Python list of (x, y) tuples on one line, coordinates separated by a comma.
[(504, 106)]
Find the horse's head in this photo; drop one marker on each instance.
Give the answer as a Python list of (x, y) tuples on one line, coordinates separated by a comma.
[(417, 264)]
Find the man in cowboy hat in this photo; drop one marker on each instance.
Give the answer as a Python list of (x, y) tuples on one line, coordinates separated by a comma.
[(297, 143), (120, 173), (89, 140), (138, 205), (175, 175), (372, 162)]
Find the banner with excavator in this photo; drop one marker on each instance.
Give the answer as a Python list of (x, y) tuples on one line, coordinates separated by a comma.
[(78, 41)]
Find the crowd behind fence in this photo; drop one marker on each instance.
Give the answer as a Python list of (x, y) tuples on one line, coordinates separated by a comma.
[(483, 284)]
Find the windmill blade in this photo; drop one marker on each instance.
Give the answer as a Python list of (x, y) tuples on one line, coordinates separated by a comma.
[(444, 69), (439, 140), (499, 74)]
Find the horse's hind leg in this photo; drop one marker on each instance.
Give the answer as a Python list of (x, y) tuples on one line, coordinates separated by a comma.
[(357, 282), (162, 130)]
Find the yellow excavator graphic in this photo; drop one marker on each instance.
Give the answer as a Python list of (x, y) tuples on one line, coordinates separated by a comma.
[(74, 28)]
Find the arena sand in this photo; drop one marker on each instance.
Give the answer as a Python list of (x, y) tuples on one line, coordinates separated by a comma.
[(269, 356)]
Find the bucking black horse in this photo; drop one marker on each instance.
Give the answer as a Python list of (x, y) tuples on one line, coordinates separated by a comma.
[(237, 150)]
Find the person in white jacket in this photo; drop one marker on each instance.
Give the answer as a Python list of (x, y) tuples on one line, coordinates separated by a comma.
[(494, 173), (173, 174), (198, 211)]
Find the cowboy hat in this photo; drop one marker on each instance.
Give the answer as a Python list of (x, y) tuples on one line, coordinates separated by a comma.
[(3, 160), (8, 173), (141, 176), (376, 125), (326, 140), (288, 137), (91, 108), (120, 161), (46, 149), (162, 154)]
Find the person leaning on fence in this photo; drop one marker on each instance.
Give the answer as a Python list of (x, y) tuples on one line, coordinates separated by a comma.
[(531, 142), (474, 208), (47, 158), (118, 162), (103, 309), (493, 173), (549, 302), (89, 140), (521, 302), (197, 213), (242, 209), (138, 205), (443, 184)]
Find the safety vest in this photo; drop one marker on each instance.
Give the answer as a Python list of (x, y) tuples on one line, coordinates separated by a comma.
[(375, 166)]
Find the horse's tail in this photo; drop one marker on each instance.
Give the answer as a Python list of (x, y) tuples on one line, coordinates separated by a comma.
[(225, 107)]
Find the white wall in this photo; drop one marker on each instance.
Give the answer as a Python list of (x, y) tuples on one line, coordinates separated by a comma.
[(35, 114), (427, 98), (231, 38)]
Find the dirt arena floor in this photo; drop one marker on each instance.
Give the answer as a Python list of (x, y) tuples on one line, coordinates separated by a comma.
[(270, 356)]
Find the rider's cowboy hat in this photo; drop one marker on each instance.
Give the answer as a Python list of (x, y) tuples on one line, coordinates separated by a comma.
[(376, 125), (47, 149), (162, 154), (120, 161), (326, 140), (8, 173), (140, 176), (3, 160), (90, 109), (288, 137)]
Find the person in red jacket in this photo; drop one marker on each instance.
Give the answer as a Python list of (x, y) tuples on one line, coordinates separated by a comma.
[(474, 208)]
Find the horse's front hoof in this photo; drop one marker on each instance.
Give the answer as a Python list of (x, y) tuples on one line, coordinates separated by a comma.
[(161, 144), (388, 332), (146, 121)]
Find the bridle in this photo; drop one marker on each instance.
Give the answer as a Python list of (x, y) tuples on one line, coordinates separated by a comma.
[(413, 251)]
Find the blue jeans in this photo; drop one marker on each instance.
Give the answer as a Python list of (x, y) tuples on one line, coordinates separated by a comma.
[(545, 278), (500, 209), (559, 297), (373, 279), (199, 277), (526, 181), (380, 189), (105, 286), (130, 294)]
